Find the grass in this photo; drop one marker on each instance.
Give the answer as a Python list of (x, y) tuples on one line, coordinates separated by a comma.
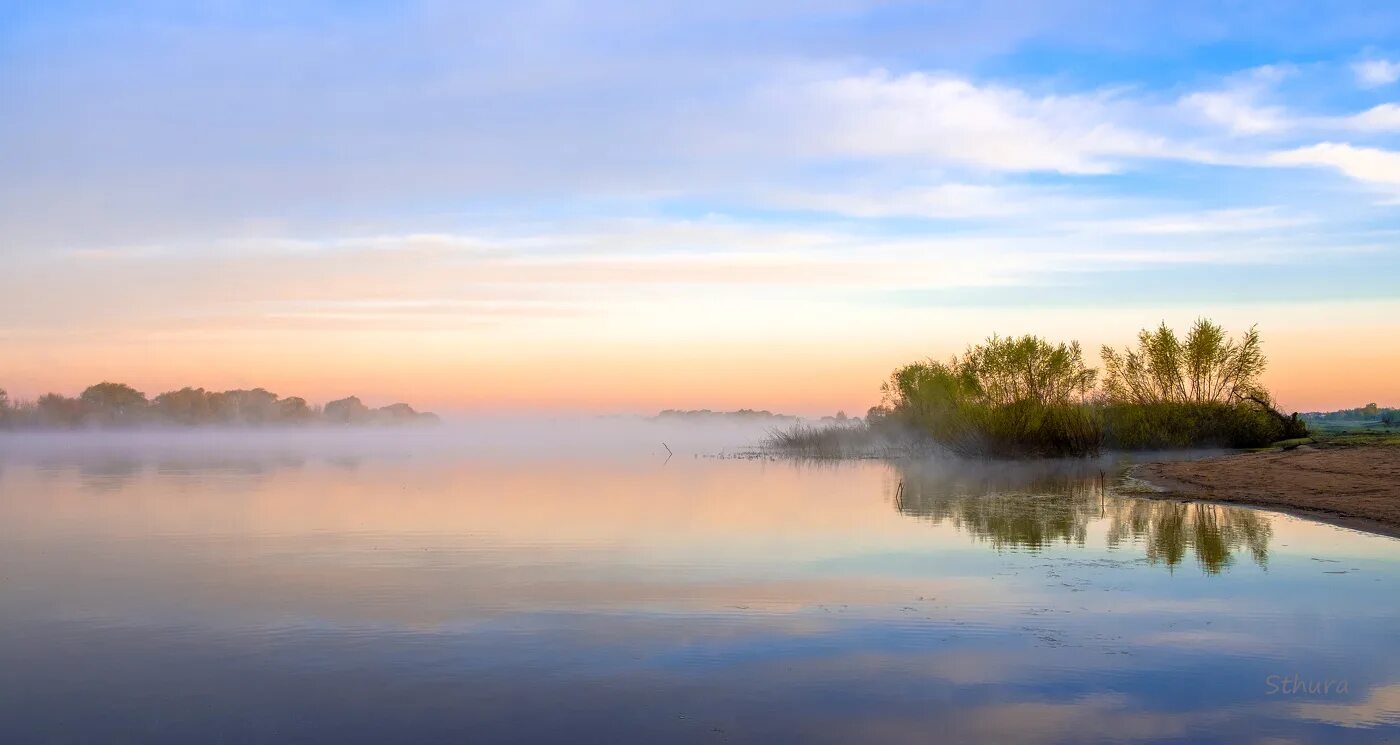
[(853, 439), (1351, 434), (828, 441), (1342, 434)]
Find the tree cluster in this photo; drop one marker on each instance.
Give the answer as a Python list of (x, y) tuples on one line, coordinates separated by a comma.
[(1028, 396), (1368, 413), (119, 405)]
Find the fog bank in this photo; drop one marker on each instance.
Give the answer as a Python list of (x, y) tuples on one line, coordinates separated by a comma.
[(519, 437)]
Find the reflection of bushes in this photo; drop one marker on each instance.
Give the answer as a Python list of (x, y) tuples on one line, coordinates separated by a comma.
[(1214, 532), (117, 404), (1007, 507), (1034, 507)]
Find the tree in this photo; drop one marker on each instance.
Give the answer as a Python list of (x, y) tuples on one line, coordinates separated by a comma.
[(1027, 368), (1007, 396), (112, 403), (1205, 367), (256, 406), (294, 409), (57, 410), (117, 404), (185, 406), (396, 414), (347, 411)]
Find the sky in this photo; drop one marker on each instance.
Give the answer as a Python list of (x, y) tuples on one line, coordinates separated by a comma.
[(612, 206)]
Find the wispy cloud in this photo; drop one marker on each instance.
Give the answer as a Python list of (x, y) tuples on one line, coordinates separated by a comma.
[(938, 117), (1371, 165), (1237, 106), (1258, 220), (1374, 73), (575, 270), (1381, 118), (938, 201)]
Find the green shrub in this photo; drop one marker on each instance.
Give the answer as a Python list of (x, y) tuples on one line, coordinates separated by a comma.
[(1024, 396), (1007, 397), (1156, 426)]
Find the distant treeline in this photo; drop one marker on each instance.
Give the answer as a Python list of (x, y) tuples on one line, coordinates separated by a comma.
[(1367, 413), (1025, 396), (745, 415), (120, 405)]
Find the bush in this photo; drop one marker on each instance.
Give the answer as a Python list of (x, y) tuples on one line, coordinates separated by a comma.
[(1024, 428), (1157, 426), (1024, 396), (1006, 397)]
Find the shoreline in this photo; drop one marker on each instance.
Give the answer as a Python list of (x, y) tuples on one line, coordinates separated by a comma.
[(1355, 486)]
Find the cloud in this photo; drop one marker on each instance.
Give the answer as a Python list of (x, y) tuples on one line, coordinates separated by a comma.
[(1236, 106), (1380, 707), (944, 118), (578, 269), (1385, 117), (1247, 220), (1088, 718), (1372, 165), (1237, 111), (952, 200), (1375, 73)]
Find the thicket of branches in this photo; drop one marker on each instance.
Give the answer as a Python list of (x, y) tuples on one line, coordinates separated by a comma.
[(1204, 367)]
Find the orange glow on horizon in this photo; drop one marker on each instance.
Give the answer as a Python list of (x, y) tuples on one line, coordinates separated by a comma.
[(1313, 366)]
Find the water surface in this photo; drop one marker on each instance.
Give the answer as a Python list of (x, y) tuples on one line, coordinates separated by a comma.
[(464, 594)]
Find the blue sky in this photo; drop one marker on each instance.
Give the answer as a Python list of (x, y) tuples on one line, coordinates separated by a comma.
[(547, 174)]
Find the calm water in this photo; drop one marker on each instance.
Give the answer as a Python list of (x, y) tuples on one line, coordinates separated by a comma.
[(464, 594)]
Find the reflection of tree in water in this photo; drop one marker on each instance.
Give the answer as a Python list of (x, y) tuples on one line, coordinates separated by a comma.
[(108, 474), (1167, 528), (1035, 505), (117, 472), (1007, 507)]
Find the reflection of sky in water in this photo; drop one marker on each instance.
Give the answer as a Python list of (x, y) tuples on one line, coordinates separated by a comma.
[(611, 599)]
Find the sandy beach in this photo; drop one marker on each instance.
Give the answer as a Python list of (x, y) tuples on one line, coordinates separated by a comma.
[(1356, 486)]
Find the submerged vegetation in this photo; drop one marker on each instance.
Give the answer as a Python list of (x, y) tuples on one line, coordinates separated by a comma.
[(119, 405), (1026, 396)]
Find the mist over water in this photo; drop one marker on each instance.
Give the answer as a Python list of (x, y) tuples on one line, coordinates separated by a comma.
[(518, 437), (567, 579)]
